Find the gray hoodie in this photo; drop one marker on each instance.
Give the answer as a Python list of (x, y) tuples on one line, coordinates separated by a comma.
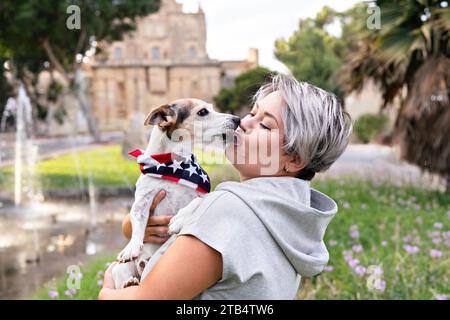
[(269, 231)]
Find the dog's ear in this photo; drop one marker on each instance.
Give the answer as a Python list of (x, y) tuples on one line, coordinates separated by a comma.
[(164, 116)]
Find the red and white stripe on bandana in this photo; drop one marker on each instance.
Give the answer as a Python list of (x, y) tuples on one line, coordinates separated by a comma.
[(179, 168)]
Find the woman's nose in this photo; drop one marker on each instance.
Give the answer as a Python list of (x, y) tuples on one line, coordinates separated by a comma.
[(245, 124)]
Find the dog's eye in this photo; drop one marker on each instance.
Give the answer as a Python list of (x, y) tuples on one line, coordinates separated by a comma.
[(203, 112)]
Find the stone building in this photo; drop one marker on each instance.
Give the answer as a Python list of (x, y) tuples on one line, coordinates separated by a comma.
[(163, 59)]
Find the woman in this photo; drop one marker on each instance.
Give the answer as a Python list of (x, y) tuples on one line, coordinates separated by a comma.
[(254, 239)]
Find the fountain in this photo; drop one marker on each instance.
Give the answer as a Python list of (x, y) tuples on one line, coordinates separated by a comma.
[(34, 232), (25, 150)]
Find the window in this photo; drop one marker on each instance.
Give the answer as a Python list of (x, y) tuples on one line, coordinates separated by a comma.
[(156, 53), (117, 53), (191, 52)]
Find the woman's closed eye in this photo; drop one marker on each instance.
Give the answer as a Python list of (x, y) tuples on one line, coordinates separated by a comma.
[(264, 126)]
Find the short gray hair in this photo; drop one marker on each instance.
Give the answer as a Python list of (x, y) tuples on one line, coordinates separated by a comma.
[(316, 127)]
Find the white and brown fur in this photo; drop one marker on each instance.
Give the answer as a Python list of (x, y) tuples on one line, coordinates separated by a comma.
[(167, 119)]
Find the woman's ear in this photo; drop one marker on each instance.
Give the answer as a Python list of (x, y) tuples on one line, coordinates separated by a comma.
[(295, 164)]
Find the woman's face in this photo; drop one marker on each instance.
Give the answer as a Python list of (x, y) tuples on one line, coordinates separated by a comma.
[(257, 150)]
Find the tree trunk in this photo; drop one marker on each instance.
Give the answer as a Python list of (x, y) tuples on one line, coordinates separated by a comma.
[(79, 88), (31, 93), (80, 93)]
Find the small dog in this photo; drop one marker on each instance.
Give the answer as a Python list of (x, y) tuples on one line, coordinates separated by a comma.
[(178, 126)]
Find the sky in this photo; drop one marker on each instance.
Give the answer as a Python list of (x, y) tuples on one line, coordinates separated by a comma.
[(233, 26)]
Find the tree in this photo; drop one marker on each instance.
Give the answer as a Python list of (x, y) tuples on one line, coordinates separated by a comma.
[(5, 88), (313, 54), (40, 32), (409, 60), (238, 97)]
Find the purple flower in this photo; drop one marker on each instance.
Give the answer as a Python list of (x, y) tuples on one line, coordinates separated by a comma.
[(100, 282), (363, 206), (328, 269), (70, 292), (354, 234), (353, 263), (446, 234), (357, 248), (407, 238), (53, 294), (332, 243), (417, 207), (438, 225), (360, 270), (377, 270), (380, 285), (436, 240), (75, 275), (384, 243), (440, 296), (411, 249), (346, 205), (397, 268), (435, 253), (448, 213), (348, 255), (100, 273), (433, 234)]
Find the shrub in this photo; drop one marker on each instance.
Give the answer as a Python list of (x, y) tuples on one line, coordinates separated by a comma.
[(368, 126)]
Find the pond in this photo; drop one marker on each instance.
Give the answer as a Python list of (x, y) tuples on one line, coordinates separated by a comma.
[(39, 242)]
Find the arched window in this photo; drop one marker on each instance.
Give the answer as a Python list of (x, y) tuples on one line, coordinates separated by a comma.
[(156, 54)]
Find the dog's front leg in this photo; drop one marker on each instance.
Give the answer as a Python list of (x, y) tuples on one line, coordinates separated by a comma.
[(185, 215), (138, 217)]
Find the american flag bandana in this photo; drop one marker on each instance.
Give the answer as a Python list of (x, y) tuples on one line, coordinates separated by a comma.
[(179, 168)]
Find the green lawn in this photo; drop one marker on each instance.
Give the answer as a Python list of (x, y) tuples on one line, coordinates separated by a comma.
[(90, 281), (375, 224), (385, 242), (105, 165), (403, 233)]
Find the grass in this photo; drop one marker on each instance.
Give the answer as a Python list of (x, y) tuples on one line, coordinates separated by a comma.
[(105, 165), (90, 278), (374, 223), (385, 242), (381, 243)]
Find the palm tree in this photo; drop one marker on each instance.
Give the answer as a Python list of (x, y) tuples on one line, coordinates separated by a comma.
[(409, 60)]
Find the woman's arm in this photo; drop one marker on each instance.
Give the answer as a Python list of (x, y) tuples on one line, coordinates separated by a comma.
[(157, 226), (187, 268)]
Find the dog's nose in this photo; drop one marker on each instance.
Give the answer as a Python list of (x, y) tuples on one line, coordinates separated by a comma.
[(236, 121)]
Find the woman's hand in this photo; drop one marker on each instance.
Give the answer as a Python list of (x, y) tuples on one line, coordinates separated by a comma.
[(167, 279), (157, 226)]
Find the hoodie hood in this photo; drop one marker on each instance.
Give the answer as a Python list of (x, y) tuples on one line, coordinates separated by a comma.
[(295, 215)]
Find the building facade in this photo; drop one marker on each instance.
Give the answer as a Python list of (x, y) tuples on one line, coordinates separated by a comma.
[(164, 59)]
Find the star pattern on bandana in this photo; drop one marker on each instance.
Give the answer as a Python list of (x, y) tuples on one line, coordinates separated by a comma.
[(192, 170), (176, 167)]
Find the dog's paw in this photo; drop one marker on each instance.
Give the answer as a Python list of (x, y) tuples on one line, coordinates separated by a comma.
[(175, 224), (130, 252), (132, 281)]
